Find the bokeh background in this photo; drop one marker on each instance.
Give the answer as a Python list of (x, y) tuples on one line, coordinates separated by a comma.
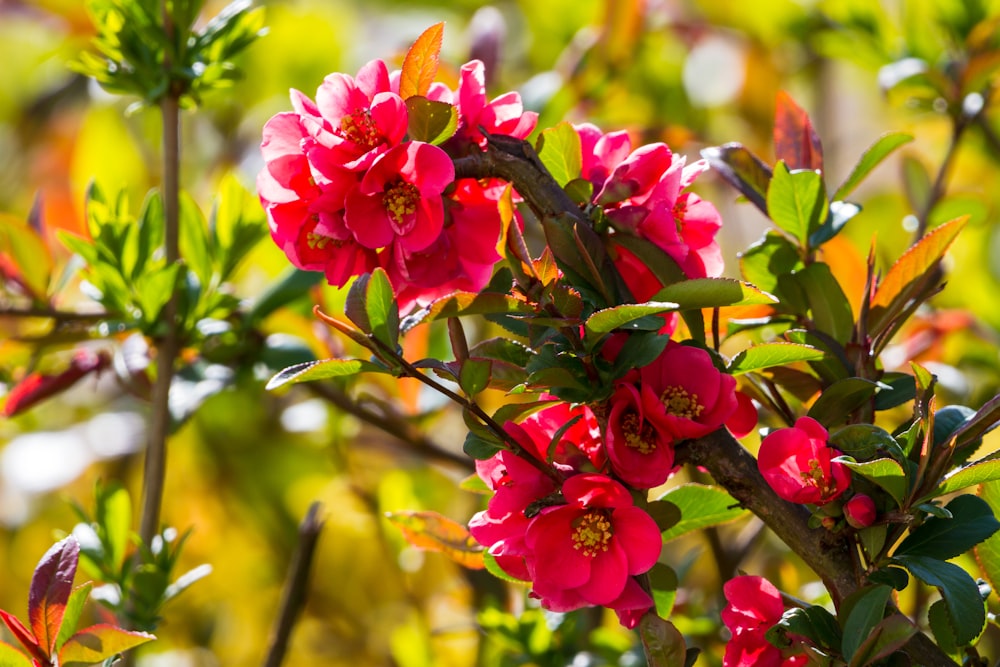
[(244, 469)]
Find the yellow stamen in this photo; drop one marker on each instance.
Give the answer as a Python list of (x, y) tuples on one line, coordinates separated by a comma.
[(680, 403), (592, 533)]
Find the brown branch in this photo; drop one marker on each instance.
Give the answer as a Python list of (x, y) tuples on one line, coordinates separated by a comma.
[(293, 597), (59, 316), (391, 424)]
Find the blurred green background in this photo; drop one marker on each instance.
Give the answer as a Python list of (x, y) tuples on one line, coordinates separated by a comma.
[(244, 469)]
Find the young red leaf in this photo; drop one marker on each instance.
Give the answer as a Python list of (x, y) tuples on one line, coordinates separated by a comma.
[(51, 586), (421, 63), (99, 642), (37, 387), (23, 635), (795, 140), (430, 530)]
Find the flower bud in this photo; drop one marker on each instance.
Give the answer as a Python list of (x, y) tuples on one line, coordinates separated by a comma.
[(860, 511)]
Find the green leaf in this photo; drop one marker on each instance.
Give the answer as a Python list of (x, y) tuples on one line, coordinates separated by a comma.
[(988, 551), (663, 582), (560, 152), (99, 642), (474, 376), (151, 225), (431, 121), (840, 399), (864, 441), (766, 355), (966, 608), (711, 293), (502, 349), (701, 507), (979, 472), (71, 618), (618, 317), (973, 521), (796, 202), (899, 388), (887, 637), (153, 290), (490, 561), (828, 305), (741, 169), (841, 212), (472, 303), (976, 426), (944, 634), (770, 257), (870, 159), (194, 245), (886, 473), (813, 622), (114, 519), (481, 448), (383, 313), (323, 369), (866, 612), (663, 643)]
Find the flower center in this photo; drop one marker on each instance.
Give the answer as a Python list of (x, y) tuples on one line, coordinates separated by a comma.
[(359, 127), (638, 434), (816, 478), (400, 200), (591, 533), (318, 241), (680, 403)]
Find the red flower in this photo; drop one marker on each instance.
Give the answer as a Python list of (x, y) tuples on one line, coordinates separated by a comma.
[(797, 463), (503, 115), (399, 200), (754, 607), (695, 397), (641, 451), (587, 551), (860, 511)]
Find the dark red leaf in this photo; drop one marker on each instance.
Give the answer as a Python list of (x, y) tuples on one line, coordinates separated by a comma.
[(51, 586), (37, 387), (23, 635), (795, 140)]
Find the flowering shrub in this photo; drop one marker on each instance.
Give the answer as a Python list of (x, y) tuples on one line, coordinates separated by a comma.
[(611, 371)]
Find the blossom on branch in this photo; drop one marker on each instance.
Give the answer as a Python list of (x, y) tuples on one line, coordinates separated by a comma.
[(798, 464), (754, 606)]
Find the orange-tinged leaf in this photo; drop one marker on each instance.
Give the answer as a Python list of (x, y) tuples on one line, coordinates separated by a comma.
[(23, 635), (911, 271), (99, 642), (434, 532), (795, 139), (420, 65), (23, 250), (51, 585)]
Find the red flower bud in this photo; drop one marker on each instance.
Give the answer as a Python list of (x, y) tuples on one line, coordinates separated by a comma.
[(860, 511)]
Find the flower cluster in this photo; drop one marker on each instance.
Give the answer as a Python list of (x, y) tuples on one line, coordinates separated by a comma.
[(798, 464), (680, 396), (643, 192), (580, 543), (346, 190)]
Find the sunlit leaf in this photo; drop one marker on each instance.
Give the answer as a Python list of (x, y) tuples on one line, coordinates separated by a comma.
[(870, 159), (911, 273), (11, 657), (887, 473), (988, 551), (559, 150), (431, 121), (323, 369), (32, 262), (796, 202), (700, 507), (99, 642), (420, 64), (795, 140), (766, 355), (712, 293), (51, 585), (434, 532), (71, 618), (609, 319)]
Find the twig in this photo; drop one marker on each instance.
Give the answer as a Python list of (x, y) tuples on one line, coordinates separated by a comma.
[(390, 424), (53, 314), (293, 597)]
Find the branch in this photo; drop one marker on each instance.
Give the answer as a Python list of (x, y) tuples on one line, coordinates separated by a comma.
[(293, 597)]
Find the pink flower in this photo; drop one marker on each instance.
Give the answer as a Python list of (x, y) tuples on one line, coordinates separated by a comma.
[(641, 451), (355, 119), (797, 463), (587, 551), (399, 199), (860, 511), (601, 152), (461, 258), (503, 115), (754, 606), (695, 397)]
